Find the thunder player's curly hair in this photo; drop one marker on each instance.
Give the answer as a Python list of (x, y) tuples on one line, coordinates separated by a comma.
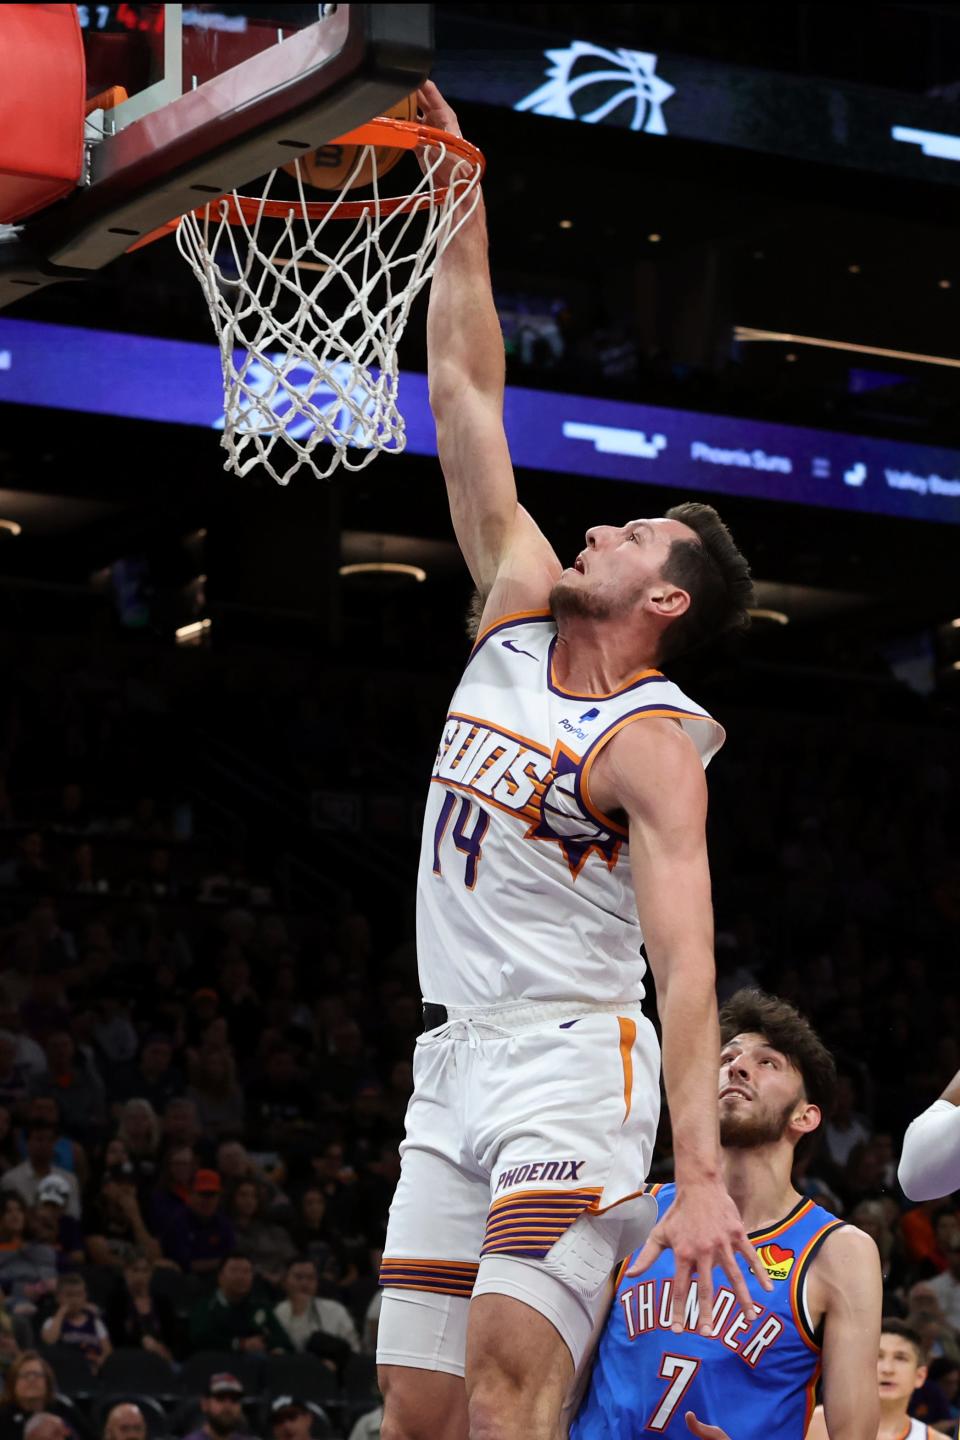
[(715, 576), (754, 1012)]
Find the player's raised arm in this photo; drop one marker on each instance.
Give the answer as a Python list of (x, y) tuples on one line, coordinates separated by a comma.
[(846, 1274), (466, 370), (657, 775)]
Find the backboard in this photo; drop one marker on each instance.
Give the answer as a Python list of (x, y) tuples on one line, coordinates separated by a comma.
[(217, 95)]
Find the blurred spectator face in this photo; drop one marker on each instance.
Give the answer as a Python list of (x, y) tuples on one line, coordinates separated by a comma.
[(138, 1123), (217, 1035), (125, 1422), (32, 1389), (115, 1154), (329, 1163), (899, 1370), (180, 1123), (137, 1274), (44, 1110), (366, 1103), (301, 1280), (246, 1201), (292, 1423), (843, 1099), (31, 847), (236, 1278), (60, 1051), (13, 1217), (156, 1057), (234, 973), (346, 1040), (215, 1068), (947, 1231), (314, 1207), (47, 1427), (224, 1413), (181, 1164), (72, 1293), (233, 1160), (204, 1195), (281, 1068), (41, 1140), (923, 1301)]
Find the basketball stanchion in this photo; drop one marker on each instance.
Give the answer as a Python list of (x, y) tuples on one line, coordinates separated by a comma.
[(308, 318)]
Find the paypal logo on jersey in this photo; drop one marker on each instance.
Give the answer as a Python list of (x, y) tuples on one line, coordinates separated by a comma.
[(585, 719)]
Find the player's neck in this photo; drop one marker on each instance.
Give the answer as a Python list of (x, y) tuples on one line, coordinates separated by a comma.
[(893, 1420), (596, 657), (758, 1182)]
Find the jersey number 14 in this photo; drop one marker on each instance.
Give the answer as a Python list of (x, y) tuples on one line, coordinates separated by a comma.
[(466, 837)]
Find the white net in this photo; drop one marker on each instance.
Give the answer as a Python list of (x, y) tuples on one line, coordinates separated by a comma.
[(309, 312)]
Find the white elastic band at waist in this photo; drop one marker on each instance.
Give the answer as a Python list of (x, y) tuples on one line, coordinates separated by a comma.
[(535, 1012)]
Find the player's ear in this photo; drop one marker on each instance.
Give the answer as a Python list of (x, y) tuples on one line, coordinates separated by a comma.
[(921, 1377), (668, 600), (806, 1117)]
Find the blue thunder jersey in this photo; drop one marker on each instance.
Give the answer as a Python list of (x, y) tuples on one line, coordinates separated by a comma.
[(757, 1379)]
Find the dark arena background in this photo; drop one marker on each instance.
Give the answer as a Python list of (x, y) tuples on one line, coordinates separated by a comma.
[(739, 282)]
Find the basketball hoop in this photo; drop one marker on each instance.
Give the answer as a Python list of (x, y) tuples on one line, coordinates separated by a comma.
[(308, 320)]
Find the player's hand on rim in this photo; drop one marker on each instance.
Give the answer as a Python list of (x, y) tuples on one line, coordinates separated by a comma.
[(703, 1229), (435, 112)]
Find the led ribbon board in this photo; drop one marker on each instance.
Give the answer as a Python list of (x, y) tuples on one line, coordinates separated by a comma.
[(144, 378)]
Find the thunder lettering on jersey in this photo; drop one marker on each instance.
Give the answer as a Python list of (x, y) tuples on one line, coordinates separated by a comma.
[(753, 1377), (524, 889)]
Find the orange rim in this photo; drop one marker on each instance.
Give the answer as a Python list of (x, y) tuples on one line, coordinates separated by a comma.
[(384, 130)]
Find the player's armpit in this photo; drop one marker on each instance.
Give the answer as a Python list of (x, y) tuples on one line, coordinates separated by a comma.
[(817, 1429), (846, 1288)]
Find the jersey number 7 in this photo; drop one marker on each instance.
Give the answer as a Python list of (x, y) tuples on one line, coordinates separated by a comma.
[(468, 844), (679, 1370)]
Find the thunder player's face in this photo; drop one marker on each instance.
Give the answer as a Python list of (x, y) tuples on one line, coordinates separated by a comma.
[(899, 1371), (760, 1089), (618, 566)]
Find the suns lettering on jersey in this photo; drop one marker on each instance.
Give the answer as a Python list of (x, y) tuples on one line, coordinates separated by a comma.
[(648, 1306), (520, 777)]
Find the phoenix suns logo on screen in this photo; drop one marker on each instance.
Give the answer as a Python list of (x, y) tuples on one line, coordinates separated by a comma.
[(777, 1263)]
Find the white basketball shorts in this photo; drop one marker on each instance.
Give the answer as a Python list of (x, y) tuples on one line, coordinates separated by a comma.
[(528, 1124)]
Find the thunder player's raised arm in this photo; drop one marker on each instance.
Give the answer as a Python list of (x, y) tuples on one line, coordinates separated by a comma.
[(512, 564)]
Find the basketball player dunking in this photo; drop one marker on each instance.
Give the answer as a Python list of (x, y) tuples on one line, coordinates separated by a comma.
[(564, 828), (756, 1380)]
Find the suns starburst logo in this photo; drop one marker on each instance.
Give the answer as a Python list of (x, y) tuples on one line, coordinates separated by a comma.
[(590, 83)]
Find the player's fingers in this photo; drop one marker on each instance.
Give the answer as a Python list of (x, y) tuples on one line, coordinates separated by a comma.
[(647, 1256), (705, 1295), (706, 1432), (682, 1279), (755, 1263), (738, 1284)]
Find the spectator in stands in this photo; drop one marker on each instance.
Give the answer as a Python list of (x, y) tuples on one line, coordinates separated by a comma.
[(29, 869), (292, 1419), (236, 1316), (29, 1388), (113, 1030), (28, 1269), (240, 1006), (368, 1426), (267, 1245), (51, 1225), (115, 1228), (235, 1163), (9, 1154), (314, 1235), (137, 1318), (925, 1315), (281, 1107), (46, 1426), (204, 1008), (75, 1085), (154, 1077), (222, 1408), (199, 1239), (169, 1201), (322, 1327), (16, 1335), (76, 1322), (928, 1231), (181, 1124), (845, 1129), (25, 1178), (124, 1422), (84, 875), (215, 1092), (946, 1287), (139, 1131), (14, 1078), (68, 1154), (45, 1010)]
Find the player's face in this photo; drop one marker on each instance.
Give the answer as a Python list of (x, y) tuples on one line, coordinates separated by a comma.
[(619, 566), (899, 1371), (760, 1090)]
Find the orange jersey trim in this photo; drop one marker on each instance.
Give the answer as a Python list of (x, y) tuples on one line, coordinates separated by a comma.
[(664, 713), (798, 1279), (496, 729), (544, 1195), (761, 1236), (512, 618), (628, 1034)]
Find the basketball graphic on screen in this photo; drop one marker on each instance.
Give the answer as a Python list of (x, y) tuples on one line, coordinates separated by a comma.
[(330, 167)]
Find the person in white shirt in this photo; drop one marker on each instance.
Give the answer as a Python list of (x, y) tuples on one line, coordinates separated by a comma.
[(845, 1129), (303, 1315), (368, 1426), (946, 1287), (930, 1161), (25, 1178)]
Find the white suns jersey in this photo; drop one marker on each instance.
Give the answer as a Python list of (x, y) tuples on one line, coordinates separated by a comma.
[(524, 890)]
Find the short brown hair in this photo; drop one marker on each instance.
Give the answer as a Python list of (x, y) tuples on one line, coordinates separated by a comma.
[(783, 1027), (889, 1325), (26, 1357), (714, 574)]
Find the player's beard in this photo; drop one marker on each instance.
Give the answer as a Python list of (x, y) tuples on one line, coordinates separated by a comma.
[(576, 602), (748, 1129)]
